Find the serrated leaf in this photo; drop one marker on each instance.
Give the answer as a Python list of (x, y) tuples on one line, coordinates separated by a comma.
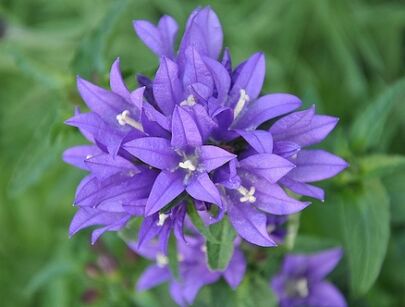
[(367, 130), (220, 252), (364, 220)]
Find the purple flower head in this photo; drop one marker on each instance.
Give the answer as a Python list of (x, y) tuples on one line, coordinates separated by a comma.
[(301, 280), (193, 269), (194, 135)]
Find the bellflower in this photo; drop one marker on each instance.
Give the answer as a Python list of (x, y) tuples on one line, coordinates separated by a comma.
[(301, 280), (195, 134), (193, 269)]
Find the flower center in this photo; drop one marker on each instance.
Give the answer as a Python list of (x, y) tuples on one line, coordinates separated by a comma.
[(243, 98), (247, 195), (124, 119), (188, 165), (162, 218), (161, 260), (298, 287), (190, 101)]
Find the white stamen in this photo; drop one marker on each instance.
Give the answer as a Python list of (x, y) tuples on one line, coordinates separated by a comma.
[(243, 98), (131, 173), (188, 165), (162, 218), (190, 101), (180, 257), (124, 119), (89, 157), (302, 287), (204, 248), (161, 260), (247, 195)]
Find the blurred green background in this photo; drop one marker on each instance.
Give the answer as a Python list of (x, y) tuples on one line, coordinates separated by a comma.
[(345, 56)]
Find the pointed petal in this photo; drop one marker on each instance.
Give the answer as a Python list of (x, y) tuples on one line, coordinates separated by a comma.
[(103, 165), (159, 39), (227, 60), (117, 83), (86, 217), (156, 152), (272, 199), (322, 263), (136, 98), (286, 149), (212, 157), (167, 88), (78, 154), (315, 165), (303, 128), (293, 122), (325, 294), (105, 103), (266, 108), (260, 140), (221, 77), (204, 122), (152, 277), (195, 70), (117, 226), (251, 76), (236, 269), (270, 167), (167, 187), (250, 224), (176, 293), (203, 31), (303, 188), (184, 129), (168, 30), (202, 188)]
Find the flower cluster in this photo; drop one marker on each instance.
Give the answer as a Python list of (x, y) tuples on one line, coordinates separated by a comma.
[(196, 135)]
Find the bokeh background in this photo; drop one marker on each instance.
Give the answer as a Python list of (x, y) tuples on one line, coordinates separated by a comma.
[(345, 56)]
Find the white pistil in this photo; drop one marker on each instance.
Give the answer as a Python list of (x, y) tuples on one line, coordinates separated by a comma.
[(247, 195), (162, 219), (188, 165), (161, 260), (302, 287), (243, 98), (124, 119), (190, 101)]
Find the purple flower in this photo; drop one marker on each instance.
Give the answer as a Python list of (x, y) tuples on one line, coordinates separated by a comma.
[(301, 280), (193, 136), (193, 270)]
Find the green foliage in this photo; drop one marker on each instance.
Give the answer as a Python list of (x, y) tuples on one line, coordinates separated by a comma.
[(364, 218), (220, 251), (344, 56)]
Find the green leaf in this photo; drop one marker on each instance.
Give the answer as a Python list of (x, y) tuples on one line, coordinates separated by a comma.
[(395, 188), (199, 223), (219, 252), (381, 165), (172, 255), (364, 219), (255, 291), (89, 58), (367, 130)]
